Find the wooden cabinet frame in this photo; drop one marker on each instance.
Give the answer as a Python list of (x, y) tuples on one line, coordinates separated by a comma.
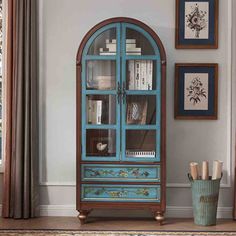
[(85, 207)]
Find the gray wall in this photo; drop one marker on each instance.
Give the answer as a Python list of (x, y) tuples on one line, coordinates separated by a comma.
[(62, 25)]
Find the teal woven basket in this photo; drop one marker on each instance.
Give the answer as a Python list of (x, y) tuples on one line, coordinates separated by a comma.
[(205, 194)]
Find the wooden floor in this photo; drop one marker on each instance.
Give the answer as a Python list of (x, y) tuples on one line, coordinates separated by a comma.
[(72, 223)]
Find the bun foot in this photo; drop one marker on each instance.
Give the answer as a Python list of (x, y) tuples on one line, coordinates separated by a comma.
[(159, 217), (83, 216)]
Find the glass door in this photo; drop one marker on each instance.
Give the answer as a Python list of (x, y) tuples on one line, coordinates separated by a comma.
[(141, 95), (100, 100)]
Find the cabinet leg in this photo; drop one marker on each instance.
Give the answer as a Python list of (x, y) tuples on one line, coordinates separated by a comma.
[(159, 217), (83, 216)]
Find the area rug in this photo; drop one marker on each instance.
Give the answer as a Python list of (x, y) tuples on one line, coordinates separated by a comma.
[(108, 233)]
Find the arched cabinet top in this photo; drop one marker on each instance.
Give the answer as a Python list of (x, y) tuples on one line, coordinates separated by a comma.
[(131, 28)]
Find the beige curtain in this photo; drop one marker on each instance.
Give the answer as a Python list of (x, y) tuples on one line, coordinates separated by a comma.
[(234, 95), (20, 195)]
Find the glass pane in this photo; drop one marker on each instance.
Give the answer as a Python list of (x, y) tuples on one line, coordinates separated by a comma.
[(101, 142), (101, 109), (141, 75), (104, 44), (137, 44), (140, 143), (141, 109), (101, 75)]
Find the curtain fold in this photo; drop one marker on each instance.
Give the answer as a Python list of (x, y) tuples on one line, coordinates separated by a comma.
[(20, 193), (234, 96)]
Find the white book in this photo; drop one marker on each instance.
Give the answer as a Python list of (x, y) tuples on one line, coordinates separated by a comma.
[(111, 47), (110, 41), (131, 74), (133, 49), (99, 112), (130, 46), (89, 110), (149, 74), (133, 53), (107, 53), (131, 41), (93, 112), (143, 74), (137, 75)]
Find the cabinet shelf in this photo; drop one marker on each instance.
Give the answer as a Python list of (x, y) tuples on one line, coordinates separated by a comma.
[(141, 92), (142, 127), (100, 92), (102, 126), (100, 57)]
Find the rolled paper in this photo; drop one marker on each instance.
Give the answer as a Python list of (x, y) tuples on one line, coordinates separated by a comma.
[(205, 170), (217, 169), (194, 170)]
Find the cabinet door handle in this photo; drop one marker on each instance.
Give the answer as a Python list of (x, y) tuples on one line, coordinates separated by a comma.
[(119, 92), (123, 93)]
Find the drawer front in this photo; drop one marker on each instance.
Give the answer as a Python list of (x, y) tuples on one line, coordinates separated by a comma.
[(120, 193), (137, 173)]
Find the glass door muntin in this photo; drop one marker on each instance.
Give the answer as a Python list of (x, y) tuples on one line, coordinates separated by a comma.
[(111, 128), (141, 126)]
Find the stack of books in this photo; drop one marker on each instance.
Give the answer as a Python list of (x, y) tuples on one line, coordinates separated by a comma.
[(110, 48), (94, 111), (140, 74), (131, 48)]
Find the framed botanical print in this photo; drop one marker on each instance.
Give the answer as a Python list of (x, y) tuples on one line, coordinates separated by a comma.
[(196, 91), (196, 24)]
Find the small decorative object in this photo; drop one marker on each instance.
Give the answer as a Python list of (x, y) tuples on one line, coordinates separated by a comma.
[(100, 146), (137, 112), (196, 90), (196, 24)]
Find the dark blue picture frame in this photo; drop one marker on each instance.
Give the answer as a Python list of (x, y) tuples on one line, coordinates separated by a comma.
[(212, 42), (212, 70)]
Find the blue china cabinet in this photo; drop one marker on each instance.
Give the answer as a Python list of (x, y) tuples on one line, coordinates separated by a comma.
[(121, 69)]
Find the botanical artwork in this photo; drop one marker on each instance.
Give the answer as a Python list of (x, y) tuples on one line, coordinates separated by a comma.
[(196, 20), (196, 91)]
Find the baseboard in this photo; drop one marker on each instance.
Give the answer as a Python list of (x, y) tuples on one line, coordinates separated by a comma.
[(171, 212)]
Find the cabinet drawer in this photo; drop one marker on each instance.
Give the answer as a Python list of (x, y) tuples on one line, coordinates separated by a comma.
[(127, 173), (120, 193)]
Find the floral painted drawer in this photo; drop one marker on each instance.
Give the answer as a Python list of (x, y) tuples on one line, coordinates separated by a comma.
[(144, 173), (120, 193)]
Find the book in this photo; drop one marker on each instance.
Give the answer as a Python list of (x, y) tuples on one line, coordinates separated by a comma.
[(149, 75), (131, 41), (98, 114), (140, 154), (107, 53), (94, 111), (133, 53), (137, 75), (131, 74), (143, 75), (111, 47), (140, 74)]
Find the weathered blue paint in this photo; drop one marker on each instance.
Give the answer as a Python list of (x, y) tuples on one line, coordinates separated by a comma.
[(120, 193), (205, 194), (121, 59), (114, 173)]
